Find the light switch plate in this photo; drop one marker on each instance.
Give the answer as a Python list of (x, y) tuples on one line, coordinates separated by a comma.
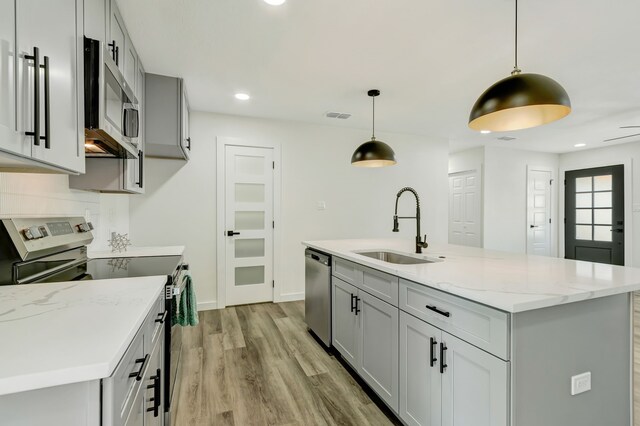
[(321, 205), (581, 383)]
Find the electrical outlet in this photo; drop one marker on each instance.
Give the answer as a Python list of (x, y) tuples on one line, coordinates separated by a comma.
[(321, 205), (581, 383)]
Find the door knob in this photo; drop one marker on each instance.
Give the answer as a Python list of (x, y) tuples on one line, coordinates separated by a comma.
[(232, 233), (534, 226)]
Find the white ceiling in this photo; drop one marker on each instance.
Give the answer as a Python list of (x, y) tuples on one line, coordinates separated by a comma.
[(430, 58)]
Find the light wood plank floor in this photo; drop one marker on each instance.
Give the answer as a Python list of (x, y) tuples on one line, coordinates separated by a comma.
[(258, 365)]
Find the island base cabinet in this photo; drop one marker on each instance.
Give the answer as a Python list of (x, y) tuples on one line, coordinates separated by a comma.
[(447, 381), (379, 347), (345, 321), (475, 388), (365, 332), (420, 377)]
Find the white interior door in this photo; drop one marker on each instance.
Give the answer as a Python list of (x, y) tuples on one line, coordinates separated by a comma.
[(465, 218), (249, 224), (539, 212)]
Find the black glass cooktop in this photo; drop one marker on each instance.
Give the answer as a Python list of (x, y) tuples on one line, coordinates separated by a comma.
[(117, 267)]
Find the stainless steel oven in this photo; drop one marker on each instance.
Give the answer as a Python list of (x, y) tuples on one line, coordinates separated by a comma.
[(48, 250), (110, 106)]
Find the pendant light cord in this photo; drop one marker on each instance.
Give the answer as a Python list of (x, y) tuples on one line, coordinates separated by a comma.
[(373, 131), (516, 70)]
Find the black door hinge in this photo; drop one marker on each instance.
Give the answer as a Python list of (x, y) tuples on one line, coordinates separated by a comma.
[(273, 164), (549, 220), (550, 182), (565, 220), (273, 284), (565, 182), (273, 224)]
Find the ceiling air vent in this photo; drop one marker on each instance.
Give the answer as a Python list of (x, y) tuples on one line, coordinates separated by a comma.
[(339, 115), (505, 138)]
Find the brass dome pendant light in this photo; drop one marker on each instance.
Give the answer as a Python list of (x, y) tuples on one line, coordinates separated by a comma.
[(373, 153), (519, 101)]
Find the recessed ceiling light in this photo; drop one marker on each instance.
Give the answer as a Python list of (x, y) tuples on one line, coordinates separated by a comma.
[(485, 132), (580, 145), (274, 2), (242, 96)]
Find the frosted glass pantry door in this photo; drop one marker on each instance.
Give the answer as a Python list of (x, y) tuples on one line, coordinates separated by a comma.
[(249, 224)]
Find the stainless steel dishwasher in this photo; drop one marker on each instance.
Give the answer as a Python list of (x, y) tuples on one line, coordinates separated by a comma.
[(317, 301)]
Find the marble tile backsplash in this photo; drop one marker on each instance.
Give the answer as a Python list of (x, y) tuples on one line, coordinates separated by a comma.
[(33, 195)]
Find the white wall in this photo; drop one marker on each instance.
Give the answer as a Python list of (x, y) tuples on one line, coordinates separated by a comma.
[(505, 197), (470, 159), (629, 155), (179, 206), (33, 195)]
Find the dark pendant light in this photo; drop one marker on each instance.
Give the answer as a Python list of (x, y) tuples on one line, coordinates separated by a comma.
[(373, 153), (519, 101)]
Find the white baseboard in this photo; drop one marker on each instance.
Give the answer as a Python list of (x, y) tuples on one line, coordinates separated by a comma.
[(207, 306), (289, 297)]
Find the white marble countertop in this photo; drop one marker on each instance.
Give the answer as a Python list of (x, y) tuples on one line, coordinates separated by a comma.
[(506, 281), (55, 334), (139, 252)]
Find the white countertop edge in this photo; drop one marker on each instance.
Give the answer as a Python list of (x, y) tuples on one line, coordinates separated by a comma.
[(35, 381), (487, 298)]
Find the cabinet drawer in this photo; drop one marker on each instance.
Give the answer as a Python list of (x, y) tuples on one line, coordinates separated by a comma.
[(153, 327), (348, 272), (380, 284), (477, 324), (120, 389)]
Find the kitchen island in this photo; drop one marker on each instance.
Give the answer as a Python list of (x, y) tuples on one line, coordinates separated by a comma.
[(61, 339), (479, 337)]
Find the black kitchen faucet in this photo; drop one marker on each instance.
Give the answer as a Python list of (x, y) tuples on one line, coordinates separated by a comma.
[(420, 244)]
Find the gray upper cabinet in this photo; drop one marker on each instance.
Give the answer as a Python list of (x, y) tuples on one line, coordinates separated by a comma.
[(41, 106), (10, 139), (167, 117), (117, 36), (121, 46)]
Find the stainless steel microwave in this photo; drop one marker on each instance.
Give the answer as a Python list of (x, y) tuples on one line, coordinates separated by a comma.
[(111, 121)]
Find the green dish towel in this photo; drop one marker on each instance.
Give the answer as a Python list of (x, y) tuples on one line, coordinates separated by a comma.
[(188, 309)]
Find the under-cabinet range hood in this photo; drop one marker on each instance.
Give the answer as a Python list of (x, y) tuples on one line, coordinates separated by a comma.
[(110, 108)]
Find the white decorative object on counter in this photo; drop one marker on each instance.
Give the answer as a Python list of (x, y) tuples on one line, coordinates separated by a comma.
[(119, 242)]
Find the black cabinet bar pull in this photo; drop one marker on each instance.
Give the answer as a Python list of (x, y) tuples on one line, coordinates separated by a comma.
[(156, 393), (353, 297), (161, 317), (36, 95), (357, 309), (47, 106), (189, 144), (438, 311), (432, 359), (140, 168), (443, 350), (142, 362), (232, 233)]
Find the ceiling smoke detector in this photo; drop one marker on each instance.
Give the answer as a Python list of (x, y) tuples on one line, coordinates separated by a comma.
[(339, 115), (505, 138)]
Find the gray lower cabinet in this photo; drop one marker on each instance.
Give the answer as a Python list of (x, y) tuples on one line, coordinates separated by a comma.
[(420, 378), (365, 332), (447, 381), (474, 385), (41, 109), (345, 322), (379, 347)]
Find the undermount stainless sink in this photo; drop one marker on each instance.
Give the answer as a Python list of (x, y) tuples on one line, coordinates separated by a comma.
[(401, 259)]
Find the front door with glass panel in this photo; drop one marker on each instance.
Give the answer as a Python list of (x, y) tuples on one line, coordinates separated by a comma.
[(248, 219), (594, 215)]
